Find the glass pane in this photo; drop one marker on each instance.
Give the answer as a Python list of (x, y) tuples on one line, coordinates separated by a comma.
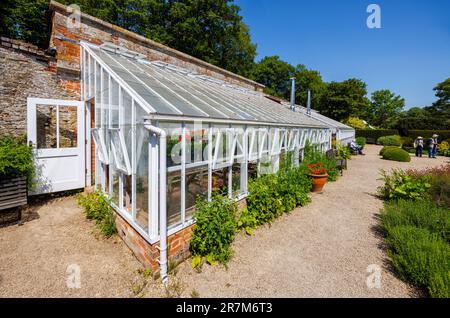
[(46, 126), (236, 179), (118, 151), (173, 198), (115, 185), (252, 170), (114, 104), (126, 123), (196, 186), (98, 96), (174, 133), (196, 142), (127, 193), (220, 182), (68, 127), (99, 146), (142, 180)]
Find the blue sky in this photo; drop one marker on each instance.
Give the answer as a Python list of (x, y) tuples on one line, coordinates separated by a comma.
[(409, 55)]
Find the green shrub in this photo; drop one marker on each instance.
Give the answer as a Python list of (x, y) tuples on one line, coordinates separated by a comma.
[(272, 194), (421, 214), (374, 134), (16, 159), (407, 142), (393, 140), (397, 155), (361, 141), (421, 257), (386, 148), (216, 224), (399, 185), (97, 207), (343, 153)]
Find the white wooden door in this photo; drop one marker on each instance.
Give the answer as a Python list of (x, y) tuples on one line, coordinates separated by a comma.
[(57, 133)]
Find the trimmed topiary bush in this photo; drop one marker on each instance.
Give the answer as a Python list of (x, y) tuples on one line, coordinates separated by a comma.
[(393, 140), (396, 154), (386, 148)]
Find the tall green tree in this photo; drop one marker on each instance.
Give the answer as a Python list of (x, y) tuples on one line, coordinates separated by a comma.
[(305, 80), (342, 100), (25, 20), (383, 108), (211, 30), (274, 73)]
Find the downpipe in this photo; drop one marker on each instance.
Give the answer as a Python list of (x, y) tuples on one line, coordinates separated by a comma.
[(162, 198)]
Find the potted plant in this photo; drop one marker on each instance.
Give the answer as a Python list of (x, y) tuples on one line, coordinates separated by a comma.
[(319, 176)]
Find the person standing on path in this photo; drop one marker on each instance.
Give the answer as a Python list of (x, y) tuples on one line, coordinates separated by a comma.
[(418, 144), (433, 142)]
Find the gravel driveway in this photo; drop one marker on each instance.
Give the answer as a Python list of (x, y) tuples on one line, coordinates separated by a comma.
[(321, 250)]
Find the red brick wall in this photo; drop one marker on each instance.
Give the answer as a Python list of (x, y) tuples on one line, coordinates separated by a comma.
[(148, 254)]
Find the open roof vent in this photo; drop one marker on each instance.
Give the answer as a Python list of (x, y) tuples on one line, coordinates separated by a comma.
[(108, 46)]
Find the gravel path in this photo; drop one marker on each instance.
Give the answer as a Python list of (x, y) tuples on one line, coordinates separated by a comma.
[(34, 257), (321, 250)]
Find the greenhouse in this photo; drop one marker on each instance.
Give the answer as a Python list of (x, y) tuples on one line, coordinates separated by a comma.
[(165, 136)]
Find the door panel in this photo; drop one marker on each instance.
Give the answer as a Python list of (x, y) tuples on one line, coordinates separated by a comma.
[(57, 132)]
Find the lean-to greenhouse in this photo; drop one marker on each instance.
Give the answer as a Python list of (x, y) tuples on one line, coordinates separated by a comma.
[(150, 126)]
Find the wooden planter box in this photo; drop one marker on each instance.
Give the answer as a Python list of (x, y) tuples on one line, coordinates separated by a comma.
[(13, 192)]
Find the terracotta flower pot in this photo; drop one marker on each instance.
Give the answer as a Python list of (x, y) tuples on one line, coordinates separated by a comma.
[(318, 181)]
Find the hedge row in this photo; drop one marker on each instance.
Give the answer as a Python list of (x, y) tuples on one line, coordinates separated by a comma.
[(373, 134)]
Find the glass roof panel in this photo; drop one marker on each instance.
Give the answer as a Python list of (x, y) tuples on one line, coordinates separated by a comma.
[(173, 91)]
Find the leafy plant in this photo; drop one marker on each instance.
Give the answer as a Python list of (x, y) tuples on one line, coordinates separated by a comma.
[(399, 185), (393, 140), (396, 154), (443, 148), (343, 153), (97, 207), (361, 141), (216, 223), (16, 159), (272, 194)]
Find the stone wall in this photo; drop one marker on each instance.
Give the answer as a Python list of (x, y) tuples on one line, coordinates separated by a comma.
[(27, 71)]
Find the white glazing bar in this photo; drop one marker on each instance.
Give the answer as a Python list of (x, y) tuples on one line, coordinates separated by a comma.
[(134, 162), (183, 173), (210, 161), (57, 126), (153, 175), (121, 118), (244, 165), (109, 144)]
